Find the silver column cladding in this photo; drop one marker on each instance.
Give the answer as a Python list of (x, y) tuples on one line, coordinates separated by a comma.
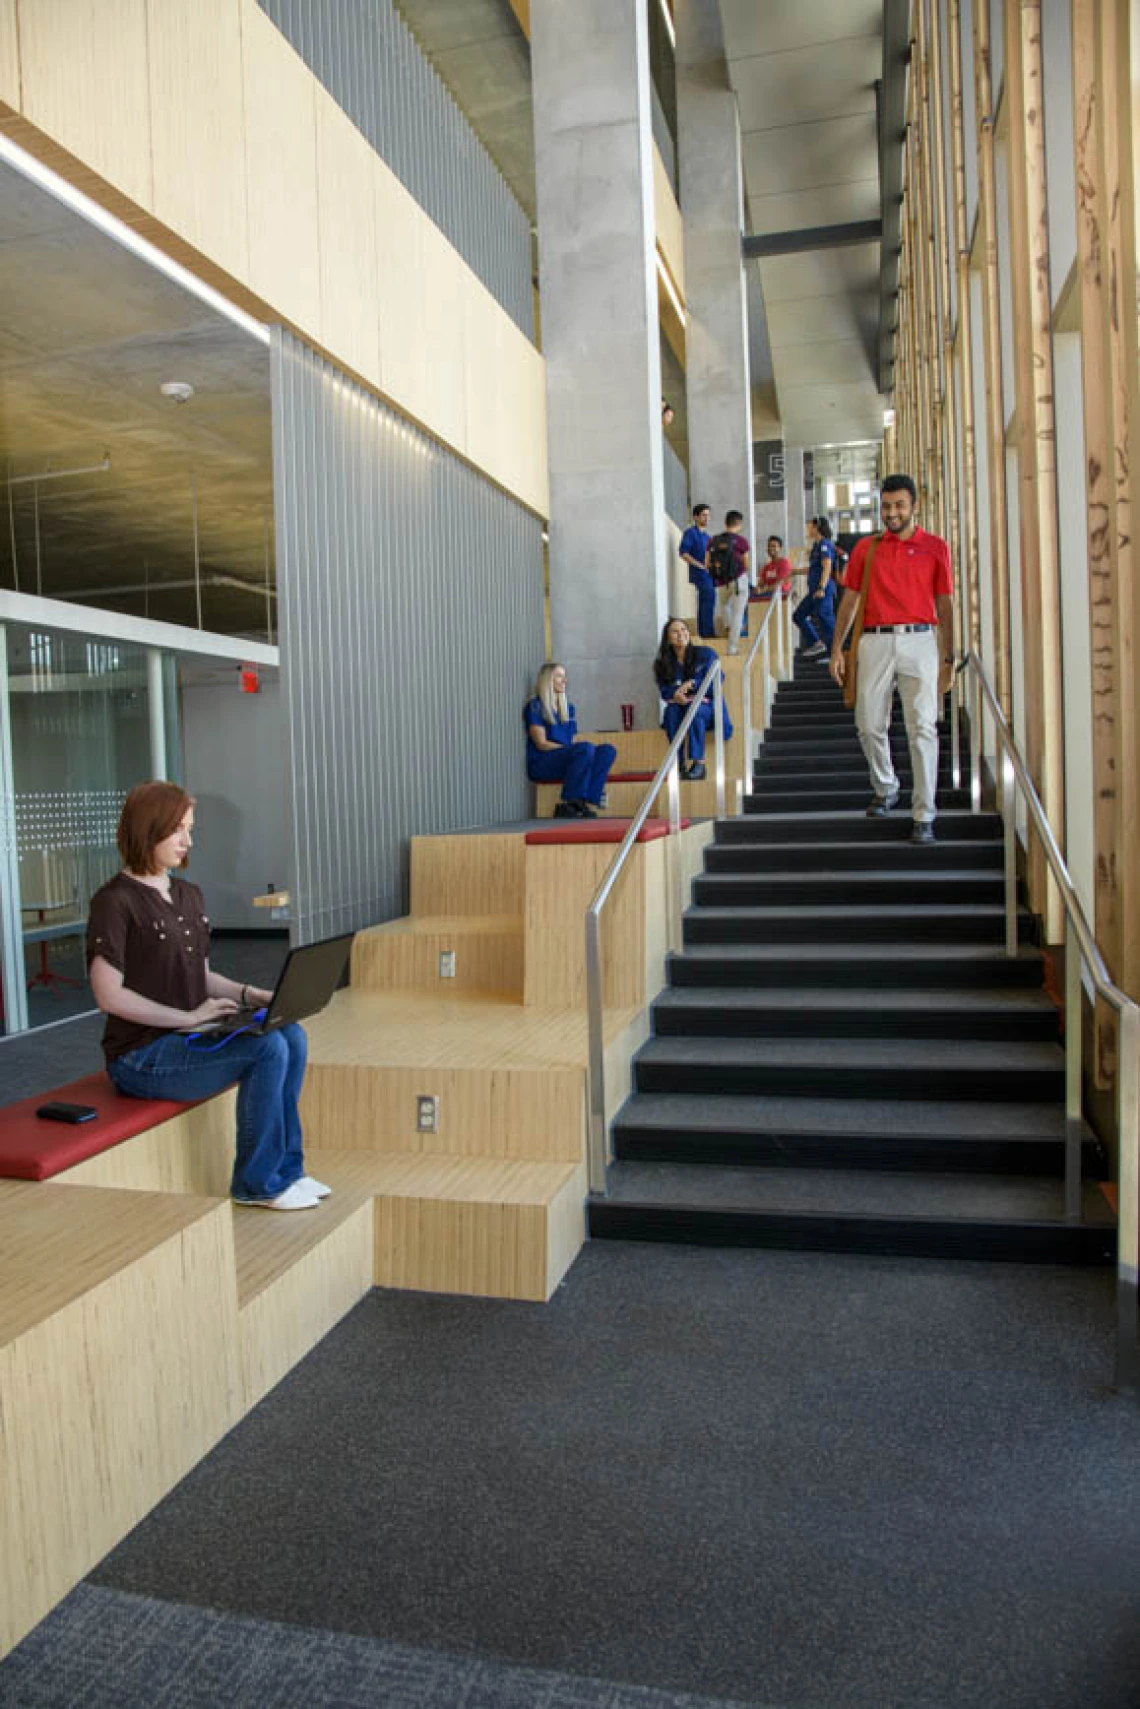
[(410, 598)]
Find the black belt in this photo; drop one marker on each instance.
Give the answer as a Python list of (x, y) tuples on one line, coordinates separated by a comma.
[(897, 628)]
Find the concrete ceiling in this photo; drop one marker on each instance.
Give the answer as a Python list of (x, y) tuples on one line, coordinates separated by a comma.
[(88, 334), (804, 72)]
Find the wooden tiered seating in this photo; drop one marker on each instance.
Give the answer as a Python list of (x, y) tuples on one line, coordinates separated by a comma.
[(142, 1313)]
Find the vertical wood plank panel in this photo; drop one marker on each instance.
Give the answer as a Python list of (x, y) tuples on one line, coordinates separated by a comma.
[(9, 55), (198, 127), (1037, 499), (995, 412), (281, 159), (72, 54)]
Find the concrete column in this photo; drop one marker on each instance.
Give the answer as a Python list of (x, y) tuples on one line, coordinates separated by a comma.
[(717, 381), (598, 278), (770, 493), (797, 506)]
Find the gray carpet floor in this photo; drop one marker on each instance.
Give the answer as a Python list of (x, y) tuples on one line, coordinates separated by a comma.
[(104, 1649), (772, 1478)]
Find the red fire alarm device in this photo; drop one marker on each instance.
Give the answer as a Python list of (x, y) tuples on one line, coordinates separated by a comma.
[(250, 680)]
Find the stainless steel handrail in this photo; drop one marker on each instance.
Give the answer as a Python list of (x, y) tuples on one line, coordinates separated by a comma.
[(667, 772), (760, 639), (1080, 951)]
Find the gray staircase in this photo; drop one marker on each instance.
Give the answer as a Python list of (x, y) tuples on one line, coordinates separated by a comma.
[(845, 1058)]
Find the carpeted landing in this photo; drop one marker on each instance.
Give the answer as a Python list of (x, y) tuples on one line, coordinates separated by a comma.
[(766, 1478)]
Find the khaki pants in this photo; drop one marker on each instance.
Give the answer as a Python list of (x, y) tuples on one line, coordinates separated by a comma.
[(732, 603), (911, 661)]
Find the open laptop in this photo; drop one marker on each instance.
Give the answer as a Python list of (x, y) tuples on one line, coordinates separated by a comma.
[(308, 979)]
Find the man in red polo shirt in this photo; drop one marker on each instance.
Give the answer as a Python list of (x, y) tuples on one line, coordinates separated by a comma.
[(908, 639)]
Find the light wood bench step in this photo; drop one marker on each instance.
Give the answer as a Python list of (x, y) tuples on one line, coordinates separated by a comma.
[(471, 1225)]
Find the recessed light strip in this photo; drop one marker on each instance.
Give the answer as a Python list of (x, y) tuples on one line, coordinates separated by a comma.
[(29, 167)]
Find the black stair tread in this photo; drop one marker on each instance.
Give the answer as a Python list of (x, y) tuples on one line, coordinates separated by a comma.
[(855, 816), (992, 1000), (853, 1192), (878, 951), (787, 913), (944, 1056), (922, 873), (858, 1118)]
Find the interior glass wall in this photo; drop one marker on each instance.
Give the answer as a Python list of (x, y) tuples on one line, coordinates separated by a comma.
[(79, 732)]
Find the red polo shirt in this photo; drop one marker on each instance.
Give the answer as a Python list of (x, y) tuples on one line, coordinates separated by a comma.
[(906, 577)]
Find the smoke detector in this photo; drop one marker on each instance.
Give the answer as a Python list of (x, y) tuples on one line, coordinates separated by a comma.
[(178, 391)]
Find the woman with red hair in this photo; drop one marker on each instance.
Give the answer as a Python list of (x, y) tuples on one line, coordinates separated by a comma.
[(148, 959)]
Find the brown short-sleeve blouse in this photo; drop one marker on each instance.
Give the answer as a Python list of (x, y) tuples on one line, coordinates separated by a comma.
[(161, 949)]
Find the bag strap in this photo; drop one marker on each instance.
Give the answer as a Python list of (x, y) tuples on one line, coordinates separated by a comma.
[(860, 612)]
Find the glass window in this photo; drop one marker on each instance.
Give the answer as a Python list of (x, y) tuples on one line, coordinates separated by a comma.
[(80, 740)]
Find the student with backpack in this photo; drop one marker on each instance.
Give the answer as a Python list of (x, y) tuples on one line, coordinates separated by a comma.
[(729, 562)]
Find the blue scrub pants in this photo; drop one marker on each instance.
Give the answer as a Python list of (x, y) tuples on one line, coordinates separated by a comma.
[(581, 769), (706, 603), (268, 1068), (698, 729), (815, 618)]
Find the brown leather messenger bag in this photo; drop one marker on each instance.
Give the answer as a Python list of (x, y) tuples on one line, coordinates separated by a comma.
[(850, 675)]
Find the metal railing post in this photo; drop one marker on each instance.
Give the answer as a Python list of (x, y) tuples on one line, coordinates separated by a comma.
[(975, 743), (595, 1023), (1073, 1070), (955, 734), (674, 789), (1128, 1209), (746, 696), (1009, 829), (1081, 951), (718, 721), (597, 1152)]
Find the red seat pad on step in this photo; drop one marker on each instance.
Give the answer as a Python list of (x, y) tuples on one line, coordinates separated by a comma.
[(631, 777), (599, 831), (32, 1149)]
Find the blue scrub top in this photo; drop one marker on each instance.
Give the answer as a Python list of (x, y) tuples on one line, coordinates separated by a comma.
[(565, 734), (704, 657), (695, 542), (821, 551)]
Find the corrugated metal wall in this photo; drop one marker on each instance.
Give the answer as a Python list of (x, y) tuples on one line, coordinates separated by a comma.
[(372, 66), (410, 599)]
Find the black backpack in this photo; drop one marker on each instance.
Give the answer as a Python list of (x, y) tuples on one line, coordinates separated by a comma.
[(723, 563)]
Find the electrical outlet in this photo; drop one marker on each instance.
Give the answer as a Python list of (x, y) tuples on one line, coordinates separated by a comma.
[(447, 964), (427, 1113)]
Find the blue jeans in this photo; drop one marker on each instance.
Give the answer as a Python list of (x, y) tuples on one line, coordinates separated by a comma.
[(581, 769), (816, 617), (268, 1067), (706, 602)]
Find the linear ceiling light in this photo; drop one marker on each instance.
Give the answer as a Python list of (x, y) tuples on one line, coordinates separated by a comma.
[(29, 167)]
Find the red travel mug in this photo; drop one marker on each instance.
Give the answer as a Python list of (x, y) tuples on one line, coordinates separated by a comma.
[(627, 715)]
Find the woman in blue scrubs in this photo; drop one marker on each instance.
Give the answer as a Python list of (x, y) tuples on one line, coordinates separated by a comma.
[(553, 753), (678, 668)]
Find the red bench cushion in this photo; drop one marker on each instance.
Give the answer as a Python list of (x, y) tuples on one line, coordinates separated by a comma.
[(32, 1149), (599, 831), (631, 777)]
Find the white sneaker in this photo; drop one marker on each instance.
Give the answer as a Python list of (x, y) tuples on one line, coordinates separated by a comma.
[(313, 1186), (295, 1198)]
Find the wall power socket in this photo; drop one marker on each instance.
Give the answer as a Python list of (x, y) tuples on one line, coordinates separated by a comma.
[(427, 1113)]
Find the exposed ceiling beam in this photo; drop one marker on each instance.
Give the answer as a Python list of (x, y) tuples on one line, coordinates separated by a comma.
[(811, 237), (892, 134)]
